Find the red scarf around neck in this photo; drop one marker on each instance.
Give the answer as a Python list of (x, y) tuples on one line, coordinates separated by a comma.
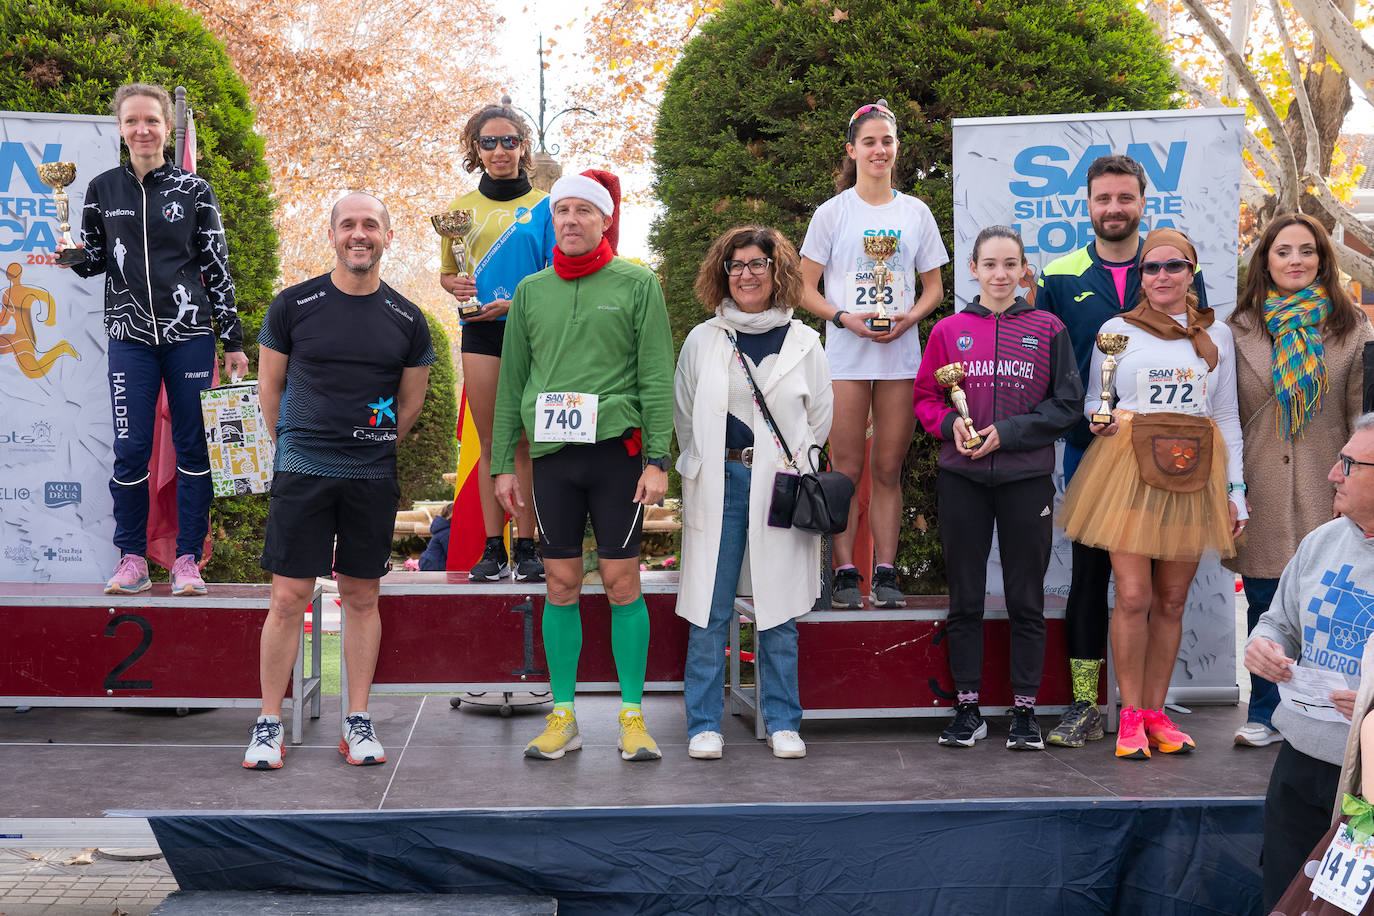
[(570, 268)]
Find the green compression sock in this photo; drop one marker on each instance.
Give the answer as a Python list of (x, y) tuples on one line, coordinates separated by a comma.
[(562, 647), (1084, 674), (630, 646)]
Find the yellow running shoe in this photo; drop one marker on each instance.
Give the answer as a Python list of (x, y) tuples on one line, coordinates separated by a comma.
[(558, 737), (635, 743)]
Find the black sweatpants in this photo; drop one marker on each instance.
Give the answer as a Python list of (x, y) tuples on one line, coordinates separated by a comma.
[(1297, 812), (1023, 512)]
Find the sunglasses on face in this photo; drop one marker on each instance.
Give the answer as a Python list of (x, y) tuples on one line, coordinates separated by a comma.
[(1171, 266), (758, 267), (488, 143), (1347, 463)]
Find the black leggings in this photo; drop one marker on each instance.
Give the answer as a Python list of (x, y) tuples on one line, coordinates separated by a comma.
[(578, 480), (1085, 615), (1023, 513)]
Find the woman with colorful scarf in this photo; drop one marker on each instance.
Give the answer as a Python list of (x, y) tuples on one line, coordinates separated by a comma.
[(1300, 380), (1163, 482)]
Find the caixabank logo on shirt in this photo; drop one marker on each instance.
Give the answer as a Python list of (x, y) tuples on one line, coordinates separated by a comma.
[(381, 423), (1344, 617)]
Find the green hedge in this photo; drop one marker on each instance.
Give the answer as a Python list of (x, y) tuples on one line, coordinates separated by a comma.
[(70, 56), (753, 120), (431, 449)]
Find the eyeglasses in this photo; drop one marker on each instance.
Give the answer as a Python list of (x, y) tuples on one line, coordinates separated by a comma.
[(1171, 266), (509, 141), (1347, 463), (867, 108), (758, 267)]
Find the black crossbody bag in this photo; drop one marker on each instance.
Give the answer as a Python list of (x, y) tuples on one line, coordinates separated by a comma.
[(814, 500)]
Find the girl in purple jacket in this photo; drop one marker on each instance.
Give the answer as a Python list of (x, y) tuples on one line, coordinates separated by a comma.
[(1024, 392)]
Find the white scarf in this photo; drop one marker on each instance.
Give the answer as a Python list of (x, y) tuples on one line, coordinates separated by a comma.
[(752, 322)]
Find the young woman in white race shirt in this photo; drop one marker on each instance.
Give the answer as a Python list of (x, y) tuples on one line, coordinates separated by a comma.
[(1163, 481), (870, 370)]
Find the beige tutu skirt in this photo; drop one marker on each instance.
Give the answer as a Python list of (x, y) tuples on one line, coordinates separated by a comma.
[(1108, 506)]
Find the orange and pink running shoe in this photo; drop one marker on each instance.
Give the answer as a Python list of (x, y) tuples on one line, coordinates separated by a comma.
[(1165, 735), (1131, 741)]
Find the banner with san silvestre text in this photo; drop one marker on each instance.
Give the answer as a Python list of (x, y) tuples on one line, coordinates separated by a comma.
[(56, 426)]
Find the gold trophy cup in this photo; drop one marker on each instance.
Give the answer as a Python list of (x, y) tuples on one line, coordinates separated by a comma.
[(57, 175), (880, 248), (457, 226), (1113, 345), (949, 377)]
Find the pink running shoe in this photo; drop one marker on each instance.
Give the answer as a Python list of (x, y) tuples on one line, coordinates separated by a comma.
[(186, 578), (1130, 739), (1164, 734), (130, 577)]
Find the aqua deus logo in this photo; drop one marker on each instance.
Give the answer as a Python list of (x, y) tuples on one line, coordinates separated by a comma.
[(59, 493)]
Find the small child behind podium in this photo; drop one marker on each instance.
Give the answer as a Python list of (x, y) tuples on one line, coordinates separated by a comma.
[(1020, 391)]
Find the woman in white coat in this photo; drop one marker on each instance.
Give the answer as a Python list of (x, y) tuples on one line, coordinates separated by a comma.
[(750, 280)]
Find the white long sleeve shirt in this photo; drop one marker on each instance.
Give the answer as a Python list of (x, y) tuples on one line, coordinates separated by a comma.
[(1156, 375)]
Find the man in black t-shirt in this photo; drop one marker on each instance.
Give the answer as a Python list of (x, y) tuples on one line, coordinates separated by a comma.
[(343, 364)]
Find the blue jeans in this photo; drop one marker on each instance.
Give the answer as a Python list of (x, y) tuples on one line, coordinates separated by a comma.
[(1264, 695), (776, 647), (137, 370)]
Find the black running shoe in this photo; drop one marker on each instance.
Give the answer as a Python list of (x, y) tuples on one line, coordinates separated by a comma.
[(844, 592), (1081, 723), (968, 726), (885, 590), (493, 566), (1025, 731), (525, 558)]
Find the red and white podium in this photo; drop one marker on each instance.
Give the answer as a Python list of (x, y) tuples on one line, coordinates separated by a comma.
[(72, 645)]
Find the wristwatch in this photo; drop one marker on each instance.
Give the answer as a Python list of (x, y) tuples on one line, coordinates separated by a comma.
[(835, 319), (660, 463)]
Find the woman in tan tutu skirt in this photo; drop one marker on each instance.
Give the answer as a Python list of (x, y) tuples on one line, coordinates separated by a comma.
[(1163, 482)]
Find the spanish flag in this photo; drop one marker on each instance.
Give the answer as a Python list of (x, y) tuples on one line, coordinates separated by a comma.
[(467, 533)]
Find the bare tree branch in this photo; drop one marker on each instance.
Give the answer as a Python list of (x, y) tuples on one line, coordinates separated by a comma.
[(1359, 266), (1257, 150), (1342, 40), (1309, 123), (1283, 146), (1340, 213)]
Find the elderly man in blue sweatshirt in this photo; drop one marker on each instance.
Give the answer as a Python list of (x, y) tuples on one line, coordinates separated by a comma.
[(1320, 618)]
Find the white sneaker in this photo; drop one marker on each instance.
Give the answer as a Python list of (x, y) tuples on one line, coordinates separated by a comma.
[(359, 745), (787, 744), (264, 751), (1256, 734), (706, 746)]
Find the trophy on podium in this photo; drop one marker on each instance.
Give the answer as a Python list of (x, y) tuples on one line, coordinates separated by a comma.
[(949, 377), (1113, 345), (57, 175), (880, 248), (456, 226)]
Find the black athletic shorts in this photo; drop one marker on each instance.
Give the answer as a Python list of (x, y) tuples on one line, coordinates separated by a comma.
[(308, 513), (483, 337), (578, 480)]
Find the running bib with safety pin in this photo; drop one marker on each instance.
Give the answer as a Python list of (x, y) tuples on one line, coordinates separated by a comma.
[(864, 296), (1345, 875), (1174, 390), (565, 416)]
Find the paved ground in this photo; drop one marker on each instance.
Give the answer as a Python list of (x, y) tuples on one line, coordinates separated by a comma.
[(39, 882)]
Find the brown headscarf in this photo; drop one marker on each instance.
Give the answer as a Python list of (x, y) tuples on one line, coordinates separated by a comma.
[(1158, 324)]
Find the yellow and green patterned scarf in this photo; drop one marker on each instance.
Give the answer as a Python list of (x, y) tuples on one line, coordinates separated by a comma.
[(1299, 366)]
